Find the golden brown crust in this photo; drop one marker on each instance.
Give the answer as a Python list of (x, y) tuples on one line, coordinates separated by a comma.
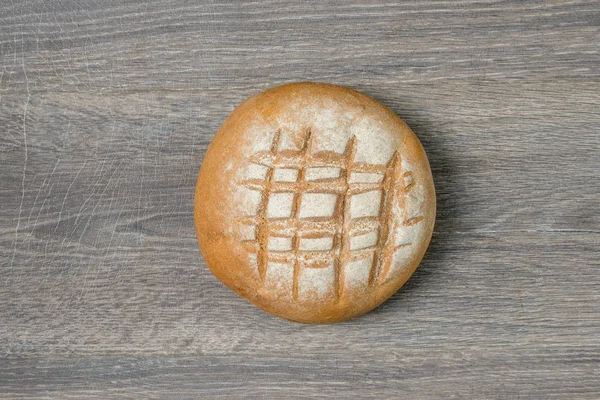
[(322, 125)]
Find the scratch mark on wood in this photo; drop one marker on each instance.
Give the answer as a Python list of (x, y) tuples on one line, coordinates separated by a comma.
[(25, 151)]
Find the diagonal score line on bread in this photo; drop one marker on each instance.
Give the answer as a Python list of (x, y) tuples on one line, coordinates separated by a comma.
[(394, 186)]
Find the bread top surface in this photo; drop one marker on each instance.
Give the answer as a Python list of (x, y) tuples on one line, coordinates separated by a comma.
[(314, 202)]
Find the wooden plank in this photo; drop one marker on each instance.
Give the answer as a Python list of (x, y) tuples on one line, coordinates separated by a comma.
[(170, 45), (106, 110), (408, 372)]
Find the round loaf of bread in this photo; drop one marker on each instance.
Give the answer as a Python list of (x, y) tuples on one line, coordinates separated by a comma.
[(314, 202)]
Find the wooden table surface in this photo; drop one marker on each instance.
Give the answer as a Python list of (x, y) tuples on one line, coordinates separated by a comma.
[(107, 108)]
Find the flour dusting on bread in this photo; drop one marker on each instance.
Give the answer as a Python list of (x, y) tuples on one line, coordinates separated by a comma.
[(325, 201)]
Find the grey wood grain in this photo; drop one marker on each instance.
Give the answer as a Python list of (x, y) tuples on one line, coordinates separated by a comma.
[(106, 109)]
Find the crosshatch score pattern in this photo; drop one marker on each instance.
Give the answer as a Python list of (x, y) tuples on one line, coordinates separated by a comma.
[(340, 226)]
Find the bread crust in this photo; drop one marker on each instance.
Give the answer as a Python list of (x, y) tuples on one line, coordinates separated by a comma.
[(303, 125)]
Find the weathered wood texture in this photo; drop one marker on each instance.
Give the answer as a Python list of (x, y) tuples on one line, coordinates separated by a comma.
[(106, 109)]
